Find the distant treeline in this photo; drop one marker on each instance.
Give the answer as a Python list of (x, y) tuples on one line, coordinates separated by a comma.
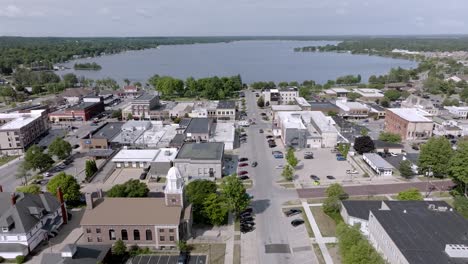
[(87, 66)]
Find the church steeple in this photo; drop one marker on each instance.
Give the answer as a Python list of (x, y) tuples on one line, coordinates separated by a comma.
[(174, 191)]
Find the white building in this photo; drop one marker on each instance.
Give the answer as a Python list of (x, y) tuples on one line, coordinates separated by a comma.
[(458, 111), (280, 96), (225, 133), (369, 94), (338, 92), (142, 158), (352, 109), (378, 164)]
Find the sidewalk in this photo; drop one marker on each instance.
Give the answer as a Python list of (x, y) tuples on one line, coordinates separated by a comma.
[(319, 239), (11, 162), (229, 256)]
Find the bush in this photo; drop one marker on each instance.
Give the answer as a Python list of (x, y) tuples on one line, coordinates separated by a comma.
[(331, 205), (354, 248), (20, 259), (119, 248), (390, 137), (461, 205), (412, 194), (336, 190), (2, 259)]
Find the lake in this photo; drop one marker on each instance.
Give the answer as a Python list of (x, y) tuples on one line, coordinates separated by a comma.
[(253, 60)]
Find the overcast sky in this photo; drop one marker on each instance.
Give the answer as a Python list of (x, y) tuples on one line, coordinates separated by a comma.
[(231, 17)]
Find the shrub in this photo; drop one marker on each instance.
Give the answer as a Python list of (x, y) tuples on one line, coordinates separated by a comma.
[(20, 259)]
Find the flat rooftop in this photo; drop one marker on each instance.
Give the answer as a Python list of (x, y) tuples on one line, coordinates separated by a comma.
[(301, 101), (201, 151), (142, 155), (223, 132), (410, 114), (166, 155), (291, 120), (347, 106), (198, 126), (19, 120), (83, 106), (226, 105), (277, 108), (378, 161), (108, 131), (145, 97)]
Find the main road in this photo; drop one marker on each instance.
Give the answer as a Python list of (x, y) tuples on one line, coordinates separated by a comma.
[(273, 232)]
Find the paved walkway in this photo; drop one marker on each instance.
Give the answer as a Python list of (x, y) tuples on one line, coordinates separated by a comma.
[(319, 239), (229, 256)]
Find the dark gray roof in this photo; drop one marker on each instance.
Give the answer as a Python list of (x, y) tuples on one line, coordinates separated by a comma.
[(108, 131), (226, 105), (184, 122), (83, 106), (377, 107), (360, 209), (178, 139), (201, 151), (146, 97), (323, 106), (99, 152), (85, 254), (198, 126), (26, 205), (384, 144), (421, 233)]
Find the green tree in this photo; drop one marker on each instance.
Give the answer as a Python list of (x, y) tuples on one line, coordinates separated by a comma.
[(288, 173), (435, 154), (364, 132), (392, 95), (117, 114), (405, 169), (60, 148), (129, 116), (70, 79), (90, 168), (460, 204), (336, 190), (385, 103), (182, 245), (390, 137), (331, 205), (215, 209), (126, 81), (119, 248), (35, 159), (352, 96), (68, 184), (363, 144), (20, 259), (130, 188), (354, 248), (23, 173), (32, 188), (291, 158), (233, 191), (458, 166), (411, 194), (197, 192), (260, 102)]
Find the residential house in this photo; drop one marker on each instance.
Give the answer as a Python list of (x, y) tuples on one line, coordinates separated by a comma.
[(459, 111)]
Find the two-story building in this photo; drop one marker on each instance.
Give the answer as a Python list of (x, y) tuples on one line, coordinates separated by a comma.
[(409, 123), (200, 160)]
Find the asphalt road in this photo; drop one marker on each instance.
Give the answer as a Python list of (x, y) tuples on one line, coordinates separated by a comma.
[(271, 225), (7, 176), (319, 192)]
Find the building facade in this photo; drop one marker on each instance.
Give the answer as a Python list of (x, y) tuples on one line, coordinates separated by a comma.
[(200, 160), (18, 130), (142, 105), (80, 112), (409, 123), (280, 96)]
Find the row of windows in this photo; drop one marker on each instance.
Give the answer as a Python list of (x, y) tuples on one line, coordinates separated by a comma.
[(136, 234)]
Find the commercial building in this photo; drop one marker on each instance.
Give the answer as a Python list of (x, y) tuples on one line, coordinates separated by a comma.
[(306, 129), (147, 222), (224, 133), (80, 112), (459, 111), (357, 213), (78, 254), (101, 138), (280, 96), (368, 94), (18, 130), (426, 105), (27, 219), (337, 92), (302, 102), (129, 91), (198, 129), (388, 147), (409, 123), (226, 110), (143, 104), (182, 108), (353, 110), (324, 107), (200, 160), (158, 159), (75, 95), (378, 164), (444, 126), (376, 111)]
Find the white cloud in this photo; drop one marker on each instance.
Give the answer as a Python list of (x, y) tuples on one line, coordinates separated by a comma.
[(10, 11), (143, 13)]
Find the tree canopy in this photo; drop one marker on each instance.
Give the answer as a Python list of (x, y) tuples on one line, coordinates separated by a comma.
[(130, 188), (405, 169), (390, 137), (215, 209), (68, 184), (60, 148), (354, 248), (260, 102), (35, 159), (197, 192), (411, 194), (32, 188), (435, 154), (291, 158), (363, 144), (288, 173), (233, 191), (458, 165)]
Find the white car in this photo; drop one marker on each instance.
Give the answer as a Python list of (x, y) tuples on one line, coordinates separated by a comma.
[(393, 154), (352, 171), (279, 167)]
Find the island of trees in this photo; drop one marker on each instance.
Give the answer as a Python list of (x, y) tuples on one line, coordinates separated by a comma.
[(87, 66)]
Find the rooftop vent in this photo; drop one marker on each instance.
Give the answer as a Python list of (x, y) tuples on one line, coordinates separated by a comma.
[(456, 250)]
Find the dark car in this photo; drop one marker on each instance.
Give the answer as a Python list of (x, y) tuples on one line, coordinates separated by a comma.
[(76, 146), (415, 147), (245, 229), (242, 173), (260, 131), (247, 218), (143, 175), (243, 164), (272, 145), (245, 214), (244, 177), (263, 114), (269, 136), (292, 212), (247, 224), (314, 177), (297, 222), (330, 177), (254, 164), (182, 259), (243, 159), (248, 210)]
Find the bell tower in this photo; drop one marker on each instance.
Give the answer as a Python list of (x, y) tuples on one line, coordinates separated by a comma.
[(174, 191)]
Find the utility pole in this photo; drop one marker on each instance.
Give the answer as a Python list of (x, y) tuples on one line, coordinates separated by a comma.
[(428, 175)]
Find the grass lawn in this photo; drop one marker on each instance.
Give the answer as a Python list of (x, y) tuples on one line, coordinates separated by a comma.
[(237, 254), (325, 223), (237, 225), (315, 200), (215, 252), (292, 202), (369, 198), (334, 253), (318, 253), (5, 159)]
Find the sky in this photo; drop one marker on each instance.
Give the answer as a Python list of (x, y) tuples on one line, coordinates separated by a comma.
[(231, 17)]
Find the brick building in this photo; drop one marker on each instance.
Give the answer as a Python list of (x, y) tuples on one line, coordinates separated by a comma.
[(80, 112), (409, 123)]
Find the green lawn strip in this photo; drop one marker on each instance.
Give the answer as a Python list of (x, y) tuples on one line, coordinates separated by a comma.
[(318, 253), (215, 252), (5, 159), (325, 223)]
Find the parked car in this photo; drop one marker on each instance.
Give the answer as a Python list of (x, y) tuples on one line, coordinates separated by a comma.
[(352, 172), (243, 164), (244, 177), (314, 177), (297, 222), (248, 210), (292, 212), (415, 147), (246, 219), (245, 214), (76, 146), (245, 229), (330, 177), (183, 257), (340, 158), (279, 167), (243, 159), (242, 173), (143, 175), (260, 131), (269, 136), (272, 145), (47, 174), (254, 164), (278, 155)]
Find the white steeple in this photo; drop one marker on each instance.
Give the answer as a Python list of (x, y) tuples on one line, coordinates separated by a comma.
[(175, 182)]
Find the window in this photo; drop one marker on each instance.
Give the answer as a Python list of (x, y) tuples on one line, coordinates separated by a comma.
[(124, 234), (161, 238), (90, 239), (161, 230), (149, 234), (112, 234), (98, 230), (99, 239), (171, 238), (171, 230), (136, 234), (88, 230)]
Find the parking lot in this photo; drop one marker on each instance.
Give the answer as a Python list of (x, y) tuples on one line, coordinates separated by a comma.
[(165, 259), (322, 165), (122, 175)]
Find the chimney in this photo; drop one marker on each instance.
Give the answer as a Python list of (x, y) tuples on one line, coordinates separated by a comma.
[(13, 198), (89, 201), (1, 188), (62, 205)]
